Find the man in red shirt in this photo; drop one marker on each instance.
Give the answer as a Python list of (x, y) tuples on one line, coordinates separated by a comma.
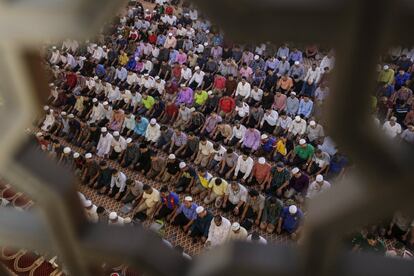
[(71, 79), (219, 82), (226, 105), (170, 113)]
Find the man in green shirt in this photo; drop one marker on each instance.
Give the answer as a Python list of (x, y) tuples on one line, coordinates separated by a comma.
[(148, 102), (301, 154), (279, 175), (200, 97)]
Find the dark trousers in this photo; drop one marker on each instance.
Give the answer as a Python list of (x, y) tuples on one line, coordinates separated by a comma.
[(180, 220), (163, 212)]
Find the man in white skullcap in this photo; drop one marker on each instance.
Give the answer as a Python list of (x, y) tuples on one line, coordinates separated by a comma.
[(297, 127), (114, 219), (49, 119), (153, 132), (218, 231), (392, 128), (302, 154), (237, 232), (97, 113), (290, 221), (318, 186), (104, 145), (260, 172), (185, 215), (118, 146), (90, 211), (201, 226)]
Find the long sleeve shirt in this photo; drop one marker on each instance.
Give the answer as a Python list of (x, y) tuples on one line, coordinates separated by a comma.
[(244, 166), (283, 68), (119, 181), (121, 74), (313, 76), (104, 145), (298, 128), (185, 96), (203, 224), (239, 132), (243, 90), (297, 72), (271, 118), (153, 133), (218, 234), (292, 106), (251, 139), (305, 108)]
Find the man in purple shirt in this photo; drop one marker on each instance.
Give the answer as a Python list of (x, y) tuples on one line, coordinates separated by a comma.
[(185, 96), (185, 215), (298, 185), (251, 140), (211, 123)]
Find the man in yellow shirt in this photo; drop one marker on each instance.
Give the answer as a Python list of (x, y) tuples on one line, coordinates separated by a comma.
[(386, 76), (202, 182), (148, 102), (217, 189), (123, 58), (280, 149), (200, 97)]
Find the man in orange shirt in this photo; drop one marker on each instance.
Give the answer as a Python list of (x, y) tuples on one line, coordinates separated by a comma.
[(260, 172), (285, 83)]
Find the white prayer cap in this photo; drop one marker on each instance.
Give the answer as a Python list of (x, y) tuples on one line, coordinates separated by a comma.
[(127, 220), (157, 78), (262, 160), (39, 134), (113, 216), (197, 68), (153, 121), (51, 84), (295, 170), (71, 116), (393, 118), (283, 57), (192, 109), (264, 136), (88, 155), (76, 155), (182, 165), (119, 36), (105, 103), (146, 75), (188, 198), (207, 32), (94, 100), (95, 78), (293, 209), (104, 47), (54, 48), (210, 92), (51, 110), (116, 133), (82, 58), (136, 58), (104, 129), (169, 34), (256, 57), (182, 85), (67, 150), (46, 108), (87, 203), (63, 113), (147, 10), (205, 44), (129, 140), (319, 178), (293, 93), (171, 156), (235, 226), (386, 67), (302, 141), (199, 209), (297, 62), (312, 123), (297, 118)]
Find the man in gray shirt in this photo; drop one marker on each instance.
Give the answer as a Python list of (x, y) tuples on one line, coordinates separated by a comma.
[(228, 163)]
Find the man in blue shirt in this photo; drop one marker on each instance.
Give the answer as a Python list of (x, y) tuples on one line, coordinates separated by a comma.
[(290, 221), (185, 215), (141, 124), (401, 78), (169, 203), (295, 55), (100, 70), (305, 107)]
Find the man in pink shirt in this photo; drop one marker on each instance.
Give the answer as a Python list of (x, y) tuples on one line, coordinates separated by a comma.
[(170, 42), (280, 101), (246, 71), (181, 57)]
